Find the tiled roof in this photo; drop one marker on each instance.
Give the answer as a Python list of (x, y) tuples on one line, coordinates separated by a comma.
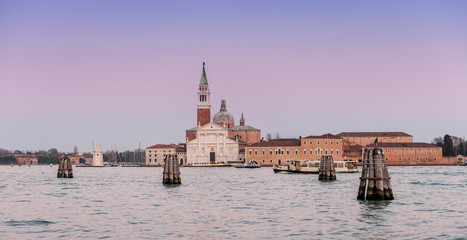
[(283, 142), (373, 134), (159, 146), (193, 129), (243, 128), (327, 136), (403, 145)]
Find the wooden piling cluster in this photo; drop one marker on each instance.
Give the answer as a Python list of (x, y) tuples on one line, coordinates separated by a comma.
[(375, 181), (171, 174), (65, 170), (327, 171)]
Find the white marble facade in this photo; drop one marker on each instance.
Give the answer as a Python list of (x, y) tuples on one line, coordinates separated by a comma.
[(212, 145)]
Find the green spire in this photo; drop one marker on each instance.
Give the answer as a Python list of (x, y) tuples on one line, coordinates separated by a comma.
[(204, 79)]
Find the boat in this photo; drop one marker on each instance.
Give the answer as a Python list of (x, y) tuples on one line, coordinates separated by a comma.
[(250, 164), (312, 167)]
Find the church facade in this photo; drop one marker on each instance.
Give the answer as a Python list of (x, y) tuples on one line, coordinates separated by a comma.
[(216, 140)]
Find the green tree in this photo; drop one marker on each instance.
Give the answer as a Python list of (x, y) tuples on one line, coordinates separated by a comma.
[(460, 149), (448, 147), (53, 152)]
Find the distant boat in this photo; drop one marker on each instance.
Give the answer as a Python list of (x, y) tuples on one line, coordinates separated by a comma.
[(250, 164), (51, 165)]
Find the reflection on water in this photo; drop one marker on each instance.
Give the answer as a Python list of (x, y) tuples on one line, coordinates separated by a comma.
[(228, 203)]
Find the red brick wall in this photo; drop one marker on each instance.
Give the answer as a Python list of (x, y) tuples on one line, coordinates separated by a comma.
[(204, 116), (296, 152), (410, 156), (369, 140)]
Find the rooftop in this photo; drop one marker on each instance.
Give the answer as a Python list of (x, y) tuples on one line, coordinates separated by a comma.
[(283, 142), (403, 145), (373, 134), (326, 136), (159, 146)]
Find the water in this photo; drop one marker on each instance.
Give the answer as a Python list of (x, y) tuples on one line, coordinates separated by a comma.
[(228, 203)]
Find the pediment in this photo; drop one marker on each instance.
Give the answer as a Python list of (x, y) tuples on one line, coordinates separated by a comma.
[(212, 126)]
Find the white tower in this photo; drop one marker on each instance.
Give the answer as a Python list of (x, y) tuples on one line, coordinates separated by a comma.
[(97, 157)]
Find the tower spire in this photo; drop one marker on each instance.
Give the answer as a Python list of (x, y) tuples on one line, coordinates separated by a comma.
[(204, 80), (204, 102)]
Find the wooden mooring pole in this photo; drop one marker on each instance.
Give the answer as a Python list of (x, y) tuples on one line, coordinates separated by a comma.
[(65, 169), (375, 182), (327, 171), (171, 174)]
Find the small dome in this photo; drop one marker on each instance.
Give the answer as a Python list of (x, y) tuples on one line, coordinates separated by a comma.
[(223, 117)]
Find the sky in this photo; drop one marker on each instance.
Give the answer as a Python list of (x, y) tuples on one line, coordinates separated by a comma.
[(126, 73)]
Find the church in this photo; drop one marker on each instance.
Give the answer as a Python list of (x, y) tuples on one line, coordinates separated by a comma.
[(216, 139)]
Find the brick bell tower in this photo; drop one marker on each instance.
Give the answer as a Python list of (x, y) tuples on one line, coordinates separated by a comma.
[(204, 102)]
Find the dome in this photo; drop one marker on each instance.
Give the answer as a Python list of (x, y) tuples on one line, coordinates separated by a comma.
[(223, 117)]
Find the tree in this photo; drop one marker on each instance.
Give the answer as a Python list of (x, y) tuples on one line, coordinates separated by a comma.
[(438, 141), (4, 152), (53, 152), (460, 149), (448, 147), (268, 137), (277, 136)]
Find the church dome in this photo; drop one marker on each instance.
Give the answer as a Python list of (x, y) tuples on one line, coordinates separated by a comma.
[(223, 117)]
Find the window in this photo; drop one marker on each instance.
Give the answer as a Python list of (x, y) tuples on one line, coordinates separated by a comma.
[(311, 142), (326, 143), (435, 159), (326, 152), (304, 151), (332, 142), (263, 152), (270, 161), (337, 143), (304, 142), (318, 142), (263, 160), (250, 152), (288, 152), (270, 152), (400, 159), (256, 152), (311, 152), (332, 152), (296, 152), (337, 152)]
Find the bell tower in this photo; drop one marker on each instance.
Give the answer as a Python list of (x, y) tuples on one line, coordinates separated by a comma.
[(204, 102)]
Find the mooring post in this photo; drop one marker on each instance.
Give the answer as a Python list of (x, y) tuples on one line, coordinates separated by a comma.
[(171, 174), (65, 169), (327, 171), (375, 181)]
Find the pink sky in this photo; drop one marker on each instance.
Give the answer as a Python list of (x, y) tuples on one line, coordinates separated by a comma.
[(123, 73)]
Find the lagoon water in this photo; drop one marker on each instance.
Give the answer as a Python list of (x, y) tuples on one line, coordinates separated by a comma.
[(228, 203)]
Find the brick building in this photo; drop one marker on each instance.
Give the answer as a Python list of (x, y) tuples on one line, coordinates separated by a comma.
[(414, 153), (155, 154), (278, 151), (365, 138), (25, 159)]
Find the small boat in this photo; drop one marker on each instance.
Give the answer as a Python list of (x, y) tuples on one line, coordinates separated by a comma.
[(51, 165), (280, 168), (250, 164)]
